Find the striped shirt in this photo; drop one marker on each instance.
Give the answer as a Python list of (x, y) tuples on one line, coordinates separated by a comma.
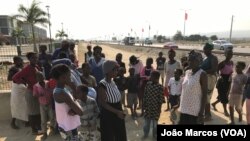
[(112, 92), (90, 111)]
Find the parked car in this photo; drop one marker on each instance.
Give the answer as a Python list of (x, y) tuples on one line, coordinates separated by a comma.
[(222, 44), (170, 45), (148, 41)]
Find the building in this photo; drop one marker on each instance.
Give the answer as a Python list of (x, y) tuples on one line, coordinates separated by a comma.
[(7, 25)]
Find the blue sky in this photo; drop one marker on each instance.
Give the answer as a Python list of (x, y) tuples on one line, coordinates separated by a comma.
[(92, 19)]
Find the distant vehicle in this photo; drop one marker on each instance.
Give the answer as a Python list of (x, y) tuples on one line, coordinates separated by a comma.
[(222, 44), (170, 45), (148, 41), (129, 41)]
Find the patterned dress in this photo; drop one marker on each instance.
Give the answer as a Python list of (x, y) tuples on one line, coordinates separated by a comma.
[(153, 99)]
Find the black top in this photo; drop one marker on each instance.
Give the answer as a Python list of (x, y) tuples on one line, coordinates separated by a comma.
[(132, 84), (122, 64), (120, 81), (160, 63)]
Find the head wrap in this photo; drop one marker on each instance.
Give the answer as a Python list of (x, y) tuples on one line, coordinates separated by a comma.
[(208, 46)]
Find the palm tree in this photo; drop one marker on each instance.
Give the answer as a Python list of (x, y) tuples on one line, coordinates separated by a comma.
[(61, 34), (18, 33), (32, 15)]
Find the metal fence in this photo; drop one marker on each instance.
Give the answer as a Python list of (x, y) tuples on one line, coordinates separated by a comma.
[(7, 53)]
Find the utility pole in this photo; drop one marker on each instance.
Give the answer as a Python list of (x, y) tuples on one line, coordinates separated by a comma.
[(50, 47), (232, 20)]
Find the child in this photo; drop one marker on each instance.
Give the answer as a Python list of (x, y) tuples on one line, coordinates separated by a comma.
[(236, 93), (86, 78), (153, 100), (88, 127), (132, 85), (174, 88), (45, 61), (44, 94), (67, 109), (144, 77), (160, 66), (118, 59), (120, 81)]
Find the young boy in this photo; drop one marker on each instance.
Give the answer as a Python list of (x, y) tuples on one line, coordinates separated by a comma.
[(160, 61), (174, 87), (120, 81), (132, 85), (236, 93), (88, 80), (153, 99), (44, 94), (88, 126)]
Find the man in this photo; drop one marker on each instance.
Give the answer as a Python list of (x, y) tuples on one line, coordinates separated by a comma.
[(88, 54), (209, 65), (96, 64), (64, 48)]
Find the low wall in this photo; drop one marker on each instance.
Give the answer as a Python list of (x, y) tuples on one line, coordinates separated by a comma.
[(5, 113)]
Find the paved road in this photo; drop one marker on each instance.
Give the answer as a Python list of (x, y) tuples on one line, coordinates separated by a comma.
[(196, 47), (237, 49)]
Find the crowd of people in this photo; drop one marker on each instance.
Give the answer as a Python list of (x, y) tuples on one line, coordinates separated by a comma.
[(88, 102)]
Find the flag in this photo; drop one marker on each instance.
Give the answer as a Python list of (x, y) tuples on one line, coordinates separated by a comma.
[(131, 30), (149, 27), (186, 16), (142, 30)]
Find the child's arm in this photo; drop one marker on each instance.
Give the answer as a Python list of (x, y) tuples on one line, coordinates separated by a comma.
[(62, 97)]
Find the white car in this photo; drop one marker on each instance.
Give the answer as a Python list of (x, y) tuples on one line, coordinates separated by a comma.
[(222, 44)]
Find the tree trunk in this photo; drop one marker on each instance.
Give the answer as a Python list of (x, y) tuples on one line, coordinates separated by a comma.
[(34, 38), (19, 53)]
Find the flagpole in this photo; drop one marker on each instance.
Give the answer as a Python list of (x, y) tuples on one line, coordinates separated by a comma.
[(185, 18), (184, 24)]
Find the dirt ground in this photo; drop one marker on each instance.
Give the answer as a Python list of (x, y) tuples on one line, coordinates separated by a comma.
[(134, 127)]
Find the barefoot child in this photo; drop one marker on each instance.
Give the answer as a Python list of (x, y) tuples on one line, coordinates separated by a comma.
[(132, 85), (236, 93), (44, 94), (175, 87)]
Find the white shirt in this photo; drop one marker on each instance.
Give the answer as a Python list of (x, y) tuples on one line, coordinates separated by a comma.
[(175, 86)]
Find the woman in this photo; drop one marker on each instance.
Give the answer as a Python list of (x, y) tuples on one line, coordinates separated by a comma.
[(169, 69), (225, 69), (112, 117), (194, 92), (68, 111), (27, 76), (18, 92)]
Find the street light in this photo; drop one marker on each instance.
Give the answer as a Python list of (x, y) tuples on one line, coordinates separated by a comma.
[(50, 47)]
